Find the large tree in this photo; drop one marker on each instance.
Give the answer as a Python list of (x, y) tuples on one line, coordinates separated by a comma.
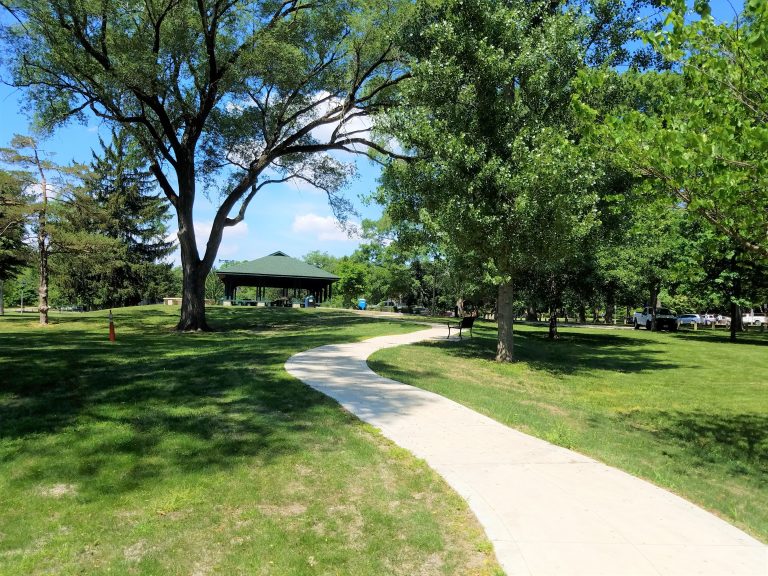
[(499, 171), (235, 94), (26, 154)]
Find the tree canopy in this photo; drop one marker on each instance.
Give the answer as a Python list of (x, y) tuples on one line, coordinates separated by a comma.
[(235, 95), (498, 171), (699, 130)]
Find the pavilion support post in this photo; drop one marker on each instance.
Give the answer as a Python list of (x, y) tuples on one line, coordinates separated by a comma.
[(330, 290)]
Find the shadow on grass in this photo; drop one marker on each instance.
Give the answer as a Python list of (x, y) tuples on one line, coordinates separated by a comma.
[(157, 402), (737, 440), (573, 352), (753, 338)]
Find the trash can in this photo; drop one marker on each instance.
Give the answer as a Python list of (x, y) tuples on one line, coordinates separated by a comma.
[(309, 302), (361, 304)]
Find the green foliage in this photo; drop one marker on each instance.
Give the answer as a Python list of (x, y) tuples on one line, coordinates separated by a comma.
[(499, 173), (322, 260), (15, 208), (214, 287), (351, 284), (699, 131), (117, 202)]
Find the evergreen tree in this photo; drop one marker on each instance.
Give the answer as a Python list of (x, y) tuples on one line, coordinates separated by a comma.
[(15, 205), (125, 210)]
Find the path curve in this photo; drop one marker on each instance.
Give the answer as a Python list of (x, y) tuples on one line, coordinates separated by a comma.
[(547, 510)]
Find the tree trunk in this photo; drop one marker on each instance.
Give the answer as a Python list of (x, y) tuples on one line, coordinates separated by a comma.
[(505, 323), (553, 324), (736, 323), (42, 247), (654, 304), (531, 315), (610, 308), (194, 269), (582, 314), (2, 300)]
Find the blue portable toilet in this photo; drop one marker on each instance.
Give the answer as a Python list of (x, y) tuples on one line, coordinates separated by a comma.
[(309, 301), (361, 304)]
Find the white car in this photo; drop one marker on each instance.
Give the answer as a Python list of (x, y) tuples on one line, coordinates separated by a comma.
[(753, 318)]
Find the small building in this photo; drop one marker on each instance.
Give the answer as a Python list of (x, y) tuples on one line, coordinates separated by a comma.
[(278, 270)]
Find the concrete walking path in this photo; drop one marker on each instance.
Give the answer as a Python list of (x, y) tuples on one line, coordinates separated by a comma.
[(547, 510)]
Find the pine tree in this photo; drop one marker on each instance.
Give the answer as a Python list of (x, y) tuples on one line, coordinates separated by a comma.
[(15, 206), (126, 211)]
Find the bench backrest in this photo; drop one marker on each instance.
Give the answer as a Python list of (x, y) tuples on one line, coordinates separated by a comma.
[(467, 321)]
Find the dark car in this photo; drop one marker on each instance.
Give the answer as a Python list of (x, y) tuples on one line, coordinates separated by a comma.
[(666, 319)]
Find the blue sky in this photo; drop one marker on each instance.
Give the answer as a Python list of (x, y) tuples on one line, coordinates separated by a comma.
[(294, 218)]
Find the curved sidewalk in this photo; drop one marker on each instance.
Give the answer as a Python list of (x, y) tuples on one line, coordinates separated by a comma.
[(547, 510)]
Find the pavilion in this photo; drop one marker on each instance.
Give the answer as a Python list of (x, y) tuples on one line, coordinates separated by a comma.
[(278, 270)]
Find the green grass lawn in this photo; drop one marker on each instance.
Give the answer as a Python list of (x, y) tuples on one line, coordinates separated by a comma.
[(166, 453), (688, 411)]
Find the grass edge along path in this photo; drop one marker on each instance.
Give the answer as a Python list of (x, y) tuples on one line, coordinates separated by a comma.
[(166, 453), (687, 411)]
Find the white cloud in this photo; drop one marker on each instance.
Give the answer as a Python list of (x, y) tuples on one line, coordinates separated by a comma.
[(323, 228)]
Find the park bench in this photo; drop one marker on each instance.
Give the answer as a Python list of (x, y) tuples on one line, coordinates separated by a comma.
[(466, 322)]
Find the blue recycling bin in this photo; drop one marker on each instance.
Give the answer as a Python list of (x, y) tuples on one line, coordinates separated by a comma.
[(309, 302), (361, 304)]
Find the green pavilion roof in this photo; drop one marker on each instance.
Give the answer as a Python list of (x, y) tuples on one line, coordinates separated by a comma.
[(278, 264)]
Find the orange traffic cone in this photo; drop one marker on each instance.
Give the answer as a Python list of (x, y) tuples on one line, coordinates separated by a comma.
[(111, 328)]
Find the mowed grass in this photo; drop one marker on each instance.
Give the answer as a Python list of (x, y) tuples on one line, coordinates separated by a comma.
[(688, 411), (166, 453)]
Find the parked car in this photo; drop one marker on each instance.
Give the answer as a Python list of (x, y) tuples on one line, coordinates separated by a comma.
[(688, 319), (394, 306), (665, 318), (753, 318), (715, 319)]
